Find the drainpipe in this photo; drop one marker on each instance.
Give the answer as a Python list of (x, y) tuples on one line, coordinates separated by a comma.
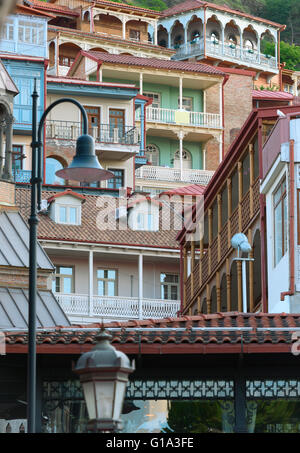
[(181, 279), (291, 291)]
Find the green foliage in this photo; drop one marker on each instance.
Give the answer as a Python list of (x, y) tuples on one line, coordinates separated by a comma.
[(156, 5), (289, 54)]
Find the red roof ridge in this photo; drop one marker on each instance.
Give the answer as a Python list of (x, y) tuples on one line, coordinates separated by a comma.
[(66, 192)]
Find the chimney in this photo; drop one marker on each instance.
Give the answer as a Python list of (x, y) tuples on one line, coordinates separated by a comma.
[(7, 194)]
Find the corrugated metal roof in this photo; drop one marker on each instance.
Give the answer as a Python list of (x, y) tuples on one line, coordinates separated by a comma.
[(14, 242), (193, 189), (268, 94), (14, 309)]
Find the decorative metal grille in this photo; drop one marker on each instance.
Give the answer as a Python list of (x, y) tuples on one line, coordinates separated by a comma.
[(55, 391), (285, 388)]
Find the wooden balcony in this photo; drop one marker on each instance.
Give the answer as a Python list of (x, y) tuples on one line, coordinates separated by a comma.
[(91, 309), (215, 255)]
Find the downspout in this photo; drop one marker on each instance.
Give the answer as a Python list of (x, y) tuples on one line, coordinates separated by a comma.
[(278, 58), (226, 78), (291, 291)]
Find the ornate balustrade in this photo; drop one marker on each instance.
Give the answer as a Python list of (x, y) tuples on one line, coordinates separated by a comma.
[(151, 172), (118, 307)]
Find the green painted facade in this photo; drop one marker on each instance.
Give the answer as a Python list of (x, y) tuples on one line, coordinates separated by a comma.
[(167, 149), (169, 100)]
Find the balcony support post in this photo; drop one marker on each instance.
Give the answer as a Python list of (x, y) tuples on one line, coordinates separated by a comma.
[(91, 281), (251, 274), (192, 265), (251, 158), (228, 285), (155, 34), (181, 136), (210, 237), (185, 273), (218, 290), (240, 178), (123, 27), (258, 48), (1, 149), (223, 38), (141, 83), (241, 44), (7, 171), (140, 286), (229, 209), (180, 93)]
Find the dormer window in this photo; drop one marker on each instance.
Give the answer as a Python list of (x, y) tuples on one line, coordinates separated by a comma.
[(66, 207), (69, 214)]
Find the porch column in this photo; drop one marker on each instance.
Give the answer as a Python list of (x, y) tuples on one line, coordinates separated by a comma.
[(180, 154), (91, 282), (141, 286), (220, 140), (223, 39), (180, 93), (258, 48), (7, 173), (204, 159), (241, 44), (221, 102), (169, 40), (123, 27), (155, 34), (141, 83)]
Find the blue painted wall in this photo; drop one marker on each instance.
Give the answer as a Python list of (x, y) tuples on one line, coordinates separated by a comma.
[(23, 74)]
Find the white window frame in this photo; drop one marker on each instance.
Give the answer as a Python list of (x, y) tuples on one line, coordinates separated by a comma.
[(106, 280), (169, 284), (67, 207), (186, 98), (152, 94)]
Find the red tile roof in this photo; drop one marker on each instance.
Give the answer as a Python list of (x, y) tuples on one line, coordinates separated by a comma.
[(272, 95), (157, 63), (190, 5), (66, 192), (88, 232), (118, 5), (53, 7), (73, 81), (193, 189), (215, 333)]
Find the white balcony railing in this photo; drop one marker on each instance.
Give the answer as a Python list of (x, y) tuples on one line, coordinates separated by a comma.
[(173, 116), (150, 172), (230, 51), (117, 307)]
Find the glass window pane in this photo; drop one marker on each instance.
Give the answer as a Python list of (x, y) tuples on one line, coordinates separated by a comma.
[(100, 288), (100, 273), (111, 274), (67, 281), (110, 288), (73, 215), (66, 270), (62, 214)]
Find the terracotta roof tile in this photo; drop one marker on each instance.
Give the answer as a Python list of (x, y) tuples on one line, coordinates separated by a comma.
[(272, 95), (154, 63), (88, 232), (127, 333), (52, 7)]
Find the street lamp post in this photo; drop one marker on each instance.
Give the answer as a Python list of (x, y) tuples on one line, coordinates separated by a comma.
[(103, 373), (86, 168)]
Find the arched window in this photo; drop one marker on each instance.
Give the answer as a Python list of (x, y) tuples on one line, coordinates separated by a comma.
[(52, 166), (178, 40), (196, 34), (152, 154), (162, 43), (232, 39), (186, 159)]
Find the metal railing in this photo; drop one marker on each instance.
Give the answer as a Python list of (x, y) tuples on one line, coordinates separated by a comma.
[(22, 176), (175, 116), (104, 133), (117, 307), (151, 172)]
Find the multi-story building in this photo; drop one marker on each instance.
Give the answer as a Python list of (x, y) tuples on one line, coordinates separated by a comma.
[(23, 51), (211, 275), (125, 267), (280, 185)]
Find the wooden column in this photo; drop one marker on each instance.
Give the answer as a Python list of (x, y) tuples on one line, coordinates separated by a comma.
[(200, 263), (228, 285), (192, 266), (240, 177), (251, 159), (251, 275), (198, 304), (210, 235), (229, 209), (219, 201), (218, 289), (208, 301)]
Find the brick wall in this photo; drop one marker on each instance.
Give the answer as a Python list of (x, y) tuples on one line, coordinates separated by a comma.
[(7, 192), (19, 278)]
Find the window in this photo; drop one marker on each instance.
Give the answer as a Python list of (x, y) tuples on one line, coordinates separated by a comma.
[(248, 44), (280, 222), (232, 40), (116, 124), (31, 32), (145, 221), (17, 157), (52, 166), (93, 114), (118, 181), (169, 284), (7, 32), (134, 34), (214, 37), (66, 61), (107, 282), (187, 104), (68, 214), (152, 154), (63, 280), (155, 98)]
